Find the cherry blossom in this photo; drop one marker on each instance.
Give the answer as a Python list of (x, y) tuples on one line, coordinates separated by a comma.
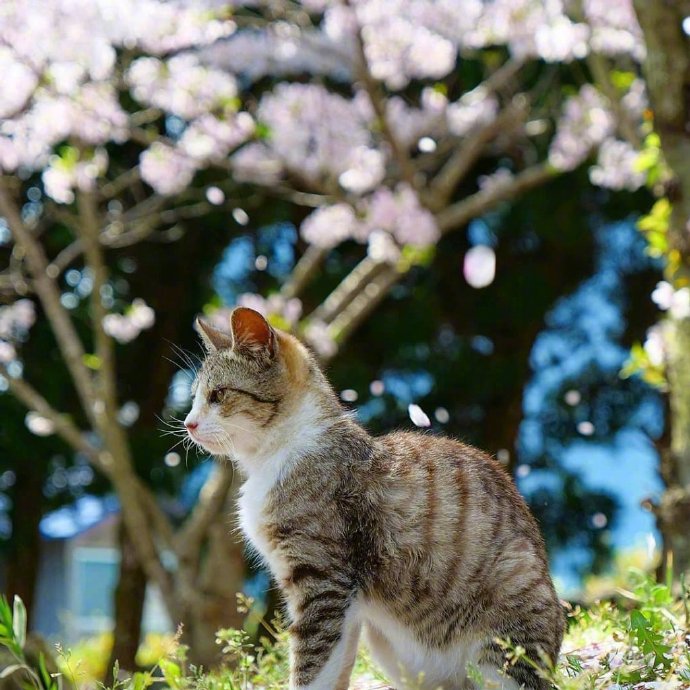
[(65, 173), (400, 213), (586, 121), (616, 166), (329, 226), (16, 319), (288, 310), (319, 135), (474, 109), (166, 168), (126, 327), (181, 85)]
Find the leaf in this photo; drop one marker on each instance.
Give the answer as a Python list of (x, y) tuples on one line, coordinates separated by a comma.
[(19, 621), (92, 361), (171, 672)]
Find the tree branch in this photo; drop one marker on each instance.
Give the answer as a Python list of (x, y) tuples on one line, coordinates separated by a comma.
[(305, 269), (211, 502), (466, 155), (378, 102), (472, 206), (64, 426), (48, 292)]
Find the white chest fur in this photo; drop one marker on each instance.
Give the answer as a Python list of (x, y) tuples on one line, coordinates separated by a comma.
[(253, 503)]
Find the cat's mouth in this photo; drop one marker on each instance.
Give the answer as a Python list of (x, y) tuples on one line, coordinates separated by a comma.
[(206, 443)]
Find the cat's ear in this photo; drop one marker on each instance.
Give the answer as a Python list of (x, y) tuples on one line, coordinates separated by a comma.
[(252, 333), (213, 338)]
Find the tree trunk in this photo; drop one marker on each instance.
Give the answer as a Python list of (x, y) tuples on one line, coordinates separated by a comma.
[(667, 71), (24, 557), (129, 607), (221, 579)]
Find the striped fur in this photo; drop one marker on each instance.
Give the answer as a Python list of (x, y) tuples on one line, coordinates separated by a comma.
[(420, 541)]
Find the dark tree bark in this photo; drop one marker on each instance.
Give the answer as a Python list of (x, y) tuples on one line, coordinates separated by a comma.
[(24, 555), (129, 608)]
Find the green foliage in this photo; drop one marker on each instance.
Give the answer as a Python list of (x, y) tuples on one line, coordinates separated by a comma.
[(654, 227), (639, 363), (637, 643), (13, 637)]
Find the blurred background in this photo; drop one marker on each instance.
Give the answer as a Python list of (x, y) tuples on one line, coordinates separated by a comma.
[(475, 213)]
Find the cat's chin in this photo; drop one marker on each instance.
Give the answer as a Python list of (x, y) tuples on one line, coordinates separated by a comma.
[(210, 447)]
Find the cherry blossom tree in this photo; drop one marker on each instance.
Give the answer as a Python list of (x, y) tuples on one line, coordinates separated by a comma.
[(124, 120)]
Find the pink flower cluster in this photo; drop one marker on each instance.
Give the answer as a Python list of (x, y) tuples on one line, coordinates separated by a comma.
[(397, 213), (126, 327), (15, 321), (321, 136), (585, 123)]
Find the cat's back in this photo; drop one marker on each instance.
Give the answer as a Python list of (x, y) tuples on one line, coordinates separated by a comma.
[(454, 518), (448, 469)]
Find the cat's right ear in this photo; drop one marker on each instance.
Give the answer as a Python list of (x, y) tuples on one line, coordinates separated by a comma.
[(213, 338)]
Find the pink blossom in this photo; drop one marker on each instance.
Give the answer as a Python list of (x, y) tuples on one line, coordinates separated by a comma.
[(62, 175), (320, 135), (586, 121), (401, 214), (256, 163), (319, 336), (616, 166), (16, 319), (330, 225), (615, 29), (287, 310), (474, 109), (209, 138), (166, 169), (7, 352), (126, 327), (181, 85)]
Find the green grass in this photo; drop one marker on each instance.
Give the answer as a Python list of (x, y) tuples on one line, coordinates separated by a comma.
[(641, 640)]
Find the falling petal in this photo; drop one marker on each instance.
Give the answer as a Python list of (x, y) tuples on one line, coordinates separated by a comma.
[(418, 416), (480, 266)]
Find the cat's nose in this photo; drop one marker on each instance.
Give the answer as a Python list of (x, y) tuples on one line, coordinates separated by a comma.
[(190, 424)]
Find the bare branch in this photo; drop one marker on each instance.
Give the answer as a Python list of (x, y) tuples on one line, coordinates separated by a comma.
[(211, 502), (305, 269), (48, 292), (463, 211), (89, 231), (64, 426), (469, 151), (360, 275), (369, 296)]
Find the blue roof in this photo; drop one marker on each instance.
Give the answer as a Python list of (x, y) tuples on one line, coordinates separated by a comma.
[(86, 512)]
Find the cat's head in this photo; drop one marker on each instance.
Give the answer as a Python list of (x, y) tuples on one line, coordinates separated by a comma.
[(253, 380)]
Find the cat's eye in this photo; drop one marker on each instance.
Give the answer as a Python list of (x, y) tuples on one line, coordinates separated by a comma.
[(216, 395)]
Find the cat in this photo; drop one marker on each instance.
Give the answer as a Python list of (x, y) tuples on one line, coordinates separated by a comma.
[(420, 542)]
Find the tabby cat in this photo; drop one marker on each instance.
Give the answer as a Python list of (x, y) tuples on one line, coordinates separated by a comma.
[(418, 541)]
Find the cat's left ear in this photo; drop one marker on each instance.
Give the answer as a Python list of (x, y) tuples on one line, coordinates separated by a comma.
[(252, 333)]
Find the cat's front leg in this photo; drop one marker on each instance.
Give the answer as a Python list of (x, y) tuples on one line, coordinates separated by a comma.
[(323, 637)]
